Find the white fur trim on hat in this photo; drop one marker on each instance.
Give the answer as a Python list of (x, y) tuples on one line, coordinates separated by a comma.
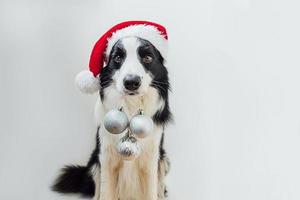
[(147, 32), (86, 82)]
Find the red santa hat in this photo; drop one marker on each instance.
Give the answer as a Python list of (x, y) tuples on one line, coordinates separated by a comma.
[(88, 80)]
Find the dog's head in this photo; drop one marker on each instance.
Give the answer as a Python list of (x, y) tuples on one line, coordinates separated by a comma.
[(135, 70)]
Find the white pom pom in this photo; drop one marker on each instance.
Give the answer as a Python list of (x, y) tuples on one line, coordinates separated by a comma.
[(86, 82)]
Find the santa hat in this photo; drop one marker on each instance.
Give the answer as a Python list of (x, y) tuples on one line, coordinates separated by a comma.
[(88, 80)]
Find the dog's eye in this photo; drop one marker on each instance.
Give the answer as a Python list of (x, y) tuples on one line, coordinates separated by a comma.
[(118, 59), (147, 59)]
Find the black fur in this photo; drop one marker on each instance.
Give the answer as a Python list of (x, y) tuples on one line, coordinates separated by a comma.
[(76, 179), (162, 151), (109, 70), (160, 80), (94, 159), (163, 156), (162, 117)]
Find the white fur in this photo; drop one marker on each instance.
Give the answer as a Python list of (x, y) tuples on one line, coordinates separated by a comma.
[(147, 32), (128, 180), (86, 82), (132, 66), (137, 179)]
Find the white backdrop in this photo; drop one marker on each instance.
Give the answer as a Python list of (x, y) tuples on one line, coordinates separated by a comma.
[(234, 67)]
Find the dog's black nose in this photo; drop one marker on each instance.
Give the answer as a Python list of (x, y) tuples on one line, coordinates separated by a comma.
[(132, 82)]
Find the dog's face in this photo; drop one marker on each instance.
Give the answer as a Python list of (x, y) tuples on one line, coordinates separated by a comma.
[(135, 68)]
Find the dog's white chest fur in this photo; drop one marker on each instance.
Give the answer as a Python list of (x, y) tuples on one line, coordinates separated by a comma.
[(134, 175), (128, 180)]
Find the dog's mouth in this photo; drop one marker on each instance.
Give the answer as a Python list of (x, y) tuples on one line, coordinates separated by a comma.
[(131, 93)]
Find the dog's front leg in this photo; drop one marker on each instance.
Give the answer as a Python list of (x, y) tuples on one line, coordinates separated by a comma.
[(149, 177), (109, 176), (152, 185), (163, 169), (96, 177), (108, 184)]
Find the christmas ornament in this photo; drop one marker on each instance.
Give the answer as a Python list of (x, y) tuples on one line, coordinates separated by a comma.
[(88, 80), (128, 147), (141, 125), (115, 121)]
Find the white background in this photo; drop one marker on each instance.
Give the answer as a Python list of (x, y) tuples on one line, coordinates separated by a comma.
[(234, 67)]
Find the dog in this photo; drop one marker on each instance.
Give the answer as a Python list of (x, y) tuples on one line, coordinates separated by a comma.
[(134, 77)]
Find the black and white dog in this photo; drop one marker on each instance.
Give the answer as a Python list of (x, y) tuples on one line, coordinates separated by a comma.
[(135, 77)]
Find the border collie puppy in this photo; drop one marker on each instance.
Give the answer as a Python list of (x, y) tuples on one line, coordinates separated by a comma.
[(134, 77)]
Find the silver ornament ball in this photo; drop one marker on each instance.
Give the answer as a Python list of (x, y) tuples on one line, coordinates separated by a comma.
[(141, 126), (115, 121), (128, 147)]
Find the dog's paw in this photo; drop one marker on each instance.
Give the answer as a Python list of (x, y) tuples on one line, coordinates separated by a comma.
[(163, 192), (164, 165)]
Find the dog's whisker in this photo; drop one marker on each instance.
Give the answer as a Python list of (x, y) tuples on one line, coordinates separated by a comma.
[(159, 82), (160, 87), (168, 86)]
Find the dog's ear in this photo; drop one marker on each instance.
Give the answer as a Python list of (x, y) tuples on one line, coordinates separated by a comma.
[(105, 60), (161, 58)]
